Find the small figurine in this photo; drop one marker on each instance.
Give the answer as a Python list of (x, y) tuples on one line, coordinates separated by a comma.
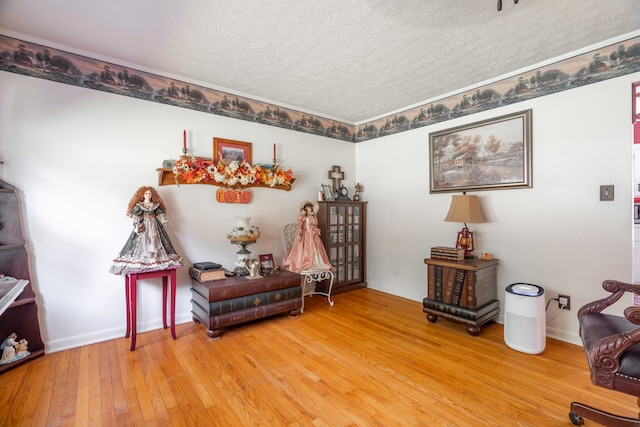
[(253, 266), (307, 251), (148, 247), (12, 350), (356, 197), (22, 348), (8, 348)]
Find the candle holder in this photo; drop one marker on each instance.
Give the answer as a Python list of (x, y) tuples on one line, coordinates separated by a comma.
[(275, 158), (184, 142)]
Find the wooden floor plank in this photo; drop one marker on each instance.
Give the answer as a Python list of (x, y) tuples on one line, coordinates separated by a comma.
[(371, 359)]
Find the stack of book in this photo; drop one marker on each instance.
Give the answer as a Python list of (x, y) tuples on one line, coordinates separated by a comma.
[(205, 271), (447, 253)]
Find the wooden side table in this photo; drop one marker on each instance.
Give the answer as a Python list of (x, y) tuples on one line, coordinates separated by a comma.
[(131, 291), (462, 291)]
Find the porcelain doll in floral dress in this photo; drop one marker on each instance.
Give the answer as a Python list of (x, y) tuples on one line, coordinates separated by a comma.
[(307, 251), (148, 247)]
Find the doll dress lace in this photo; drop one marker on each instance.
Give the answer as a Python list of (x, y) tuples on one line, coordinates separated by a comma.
[(149, 249)]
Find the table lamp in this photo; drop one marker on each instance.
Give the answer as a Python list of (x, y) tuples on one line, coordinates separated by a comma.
[(465, 209)]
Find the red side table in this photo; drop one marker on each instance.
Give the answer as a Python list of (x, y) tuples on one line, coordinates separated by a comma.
[(131, 291)]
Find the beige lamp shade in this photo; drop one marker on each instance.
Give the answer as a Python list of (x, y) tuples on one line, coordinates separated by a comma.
[(465, 208)]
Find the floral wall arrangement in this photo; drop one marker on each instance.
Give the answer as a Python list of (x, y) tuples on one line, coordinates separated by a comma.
[(233, 174)]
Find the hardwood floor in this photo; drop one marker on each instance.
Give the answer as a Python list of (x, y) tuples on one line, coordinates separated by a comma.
[(370, 360)]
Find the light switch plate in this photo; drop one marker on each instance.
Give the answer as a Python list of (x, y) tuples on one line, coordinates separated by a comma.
[(606, 193)]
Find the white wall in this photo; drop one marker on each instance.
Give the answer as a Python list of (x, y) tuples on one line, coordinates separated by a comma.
[(557, 234), (77, 155)]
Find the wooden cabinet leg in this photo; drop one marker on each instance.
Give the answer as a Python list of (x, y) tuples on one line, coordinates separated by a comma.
[(432, 318)]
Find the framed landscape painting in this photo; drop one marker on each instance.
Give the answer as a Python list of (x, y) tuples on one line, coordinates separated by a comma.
[(488, 155), (229, 150)]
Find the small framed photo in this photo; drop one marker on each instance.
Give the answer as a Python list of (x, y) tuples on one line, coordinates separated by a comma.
[(266, 264), (328, 194), (229, 150)]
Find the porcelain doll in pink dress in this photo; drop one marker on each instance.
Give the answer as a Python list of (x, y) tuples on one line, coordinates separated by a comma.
[(307, 251)]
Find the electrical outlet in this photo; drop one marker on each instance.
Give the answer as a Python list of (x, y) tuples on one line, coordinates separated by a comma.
[(564, 302)]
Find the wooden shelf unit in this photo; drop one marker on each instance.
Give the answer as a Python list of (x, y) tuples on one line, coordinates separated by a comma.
[(343, 226), (21, 316)]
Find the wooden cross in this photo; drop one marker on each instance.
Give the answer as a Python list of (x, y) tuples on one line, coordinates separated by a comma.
[(336, 175)]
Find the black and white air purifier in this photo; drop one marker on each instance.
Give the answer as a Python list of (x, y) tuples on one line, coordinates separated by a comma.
[(524, 320)]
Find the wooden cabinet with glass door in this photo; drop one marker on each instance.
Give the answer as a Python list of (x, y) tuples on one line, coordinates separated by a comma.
[(343, 231)]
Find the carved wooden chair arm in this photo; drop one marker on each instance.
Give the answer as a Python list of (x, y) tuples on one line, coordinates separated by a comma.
[(604, 354), (616, 288), (614, 359), (633, 314)]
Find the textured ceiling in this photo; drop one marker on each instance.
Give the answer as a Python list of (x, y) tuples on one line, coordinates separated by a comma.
[(351, 60)]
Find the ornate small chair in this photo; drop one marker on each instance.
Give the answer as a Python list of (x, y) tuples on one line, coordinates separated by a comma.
[(309, 277), (611, 345)]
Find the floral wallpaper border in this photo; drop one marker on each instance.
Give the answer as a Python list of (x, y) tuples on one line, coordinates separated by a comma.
[(22, 57)]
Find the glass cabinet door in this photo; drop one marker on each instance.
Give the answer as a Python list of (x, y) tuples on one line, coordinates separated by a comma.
[(343, 223)]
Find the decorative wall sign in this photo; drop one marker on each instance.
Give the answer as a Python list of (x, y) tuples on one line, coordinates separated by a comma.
[(226, 195)]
